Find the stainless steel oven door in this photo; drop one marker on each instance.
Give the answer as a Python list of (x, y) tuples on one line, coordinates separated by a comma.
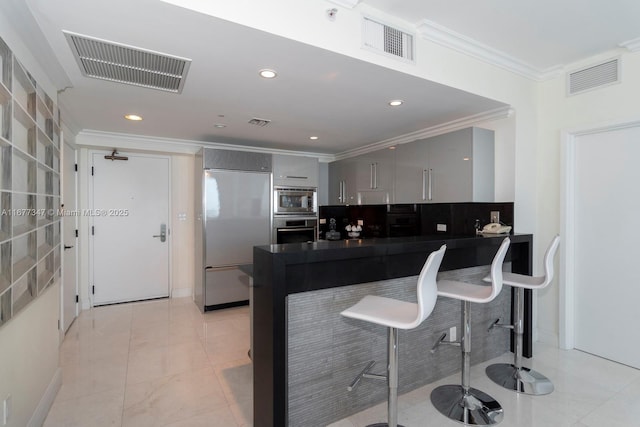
[(294, 230), (294, 201)]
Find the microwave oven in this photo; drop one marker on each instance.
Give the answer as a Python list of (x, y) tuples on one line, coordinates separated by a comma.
[(294, 201)]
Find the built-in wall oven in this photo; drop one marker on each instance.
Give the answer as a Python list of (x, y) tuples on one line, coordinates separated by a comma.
[(295, 201), (293, 229)]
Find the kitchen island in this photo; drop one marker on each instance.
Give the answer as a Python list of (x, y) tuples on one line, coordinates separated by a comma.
[(305, 354)]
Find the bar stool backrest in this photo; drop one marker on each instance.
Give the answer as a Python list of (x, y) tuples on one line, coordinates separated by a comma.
[(427, 287), (548, 261), (496, 269)]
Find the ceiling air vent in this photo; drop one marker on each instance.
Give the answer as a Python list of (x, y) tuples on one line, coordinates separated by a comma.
[(259, 122), (120, 63), (594, 76), (385, 39)]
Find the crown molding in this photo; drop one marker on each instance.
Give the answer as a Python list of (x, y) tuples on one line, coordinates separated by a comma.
[(95, 138), (498, 113), (350, 4), (633, 45), (442, 35)]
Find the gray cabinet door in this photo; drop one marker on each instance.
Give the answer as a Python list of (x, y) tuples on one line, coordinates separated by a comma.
[(450, 163), (295, 171), (411, 172), (342, 178), (375, 177)]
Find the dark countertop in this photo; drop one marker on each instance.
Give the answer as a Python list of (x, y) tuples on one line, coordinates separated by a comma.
[(282, 270), (326, 264)]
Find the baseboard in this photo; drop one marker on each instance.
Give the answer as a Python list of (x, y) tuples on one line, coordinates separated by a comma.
[(180, 292), (39, 415)]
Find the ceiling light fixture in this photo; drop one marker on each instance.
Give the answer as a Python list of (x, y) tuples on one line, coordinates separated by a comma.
[(219, 126), (133, 117), (313, 137), (268, 74), (396, 102)]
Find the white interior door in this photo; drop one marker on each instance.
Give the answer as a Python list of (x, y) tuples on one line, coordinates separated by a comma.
[(130, 207), (70, 239), (607, 280)]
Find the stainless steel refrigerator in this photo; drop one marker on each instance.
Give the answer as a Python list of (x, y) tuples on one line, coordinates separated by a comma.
[(235, 217)]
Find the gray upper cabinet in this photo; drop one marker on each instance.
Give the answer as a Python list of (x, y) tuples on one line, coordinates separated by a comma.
[(411, 173), (295, 171), (342, 182), (375, 177), (453, 167)]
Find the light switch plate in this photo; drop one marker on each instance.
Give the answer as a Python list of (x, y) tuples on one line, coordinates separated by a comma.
[(323, 220), (361, 222), (441, 227)]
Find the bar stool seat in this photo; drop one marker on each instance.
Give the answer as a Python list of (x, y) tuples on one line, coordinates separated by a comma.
[(395, 314), (463, 403), (515, 376)]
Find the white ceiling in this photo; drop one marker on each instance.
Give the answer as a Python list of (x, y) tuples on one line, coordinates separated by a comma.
[(341, 100)]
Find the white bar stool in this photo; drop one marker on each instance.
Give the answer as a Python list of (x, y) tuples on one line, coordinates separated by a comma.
[(463, 403), (515, 376), (395, 314)]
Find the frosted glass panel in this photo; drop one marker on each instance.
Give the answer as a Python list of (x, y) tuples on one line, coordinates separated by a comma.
[(24, 173), (30, 253), (24, 254), (5, 216), (24, 291)]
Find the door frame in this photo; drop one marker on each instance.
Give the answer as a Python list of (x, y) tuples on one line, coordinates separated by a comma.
[(90, 269), (569, 140), (64, 142)]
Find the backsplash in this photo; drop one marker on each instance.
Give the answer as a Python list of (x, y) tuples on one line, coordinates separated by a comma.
[(420, 219)]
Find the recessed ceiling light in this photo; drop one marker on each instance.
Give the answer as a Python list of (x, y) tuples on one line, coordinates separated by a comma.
[(393, 147), (396, 102), (219, 126), (313, 137), (268, 74), (133, 117)]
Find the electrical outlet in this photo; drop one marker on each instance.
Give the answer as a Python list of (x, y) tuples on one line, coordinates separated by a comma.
[(441, 227), (323, 221), (6, 410), (452, 333), (361, 222), (495, 216)]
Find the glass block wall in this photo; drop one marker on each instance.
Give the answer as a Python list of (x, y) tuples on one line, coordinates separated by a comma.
[(29, 187)]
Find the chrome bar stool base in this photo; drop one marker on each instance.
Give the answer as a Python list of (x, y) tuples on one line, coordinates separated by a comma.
[(382, 425), (521, 380), (473, 407)]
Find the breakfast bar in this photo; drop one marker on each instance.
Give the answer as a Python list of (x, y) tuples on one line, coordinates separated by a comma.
[(305, 354)]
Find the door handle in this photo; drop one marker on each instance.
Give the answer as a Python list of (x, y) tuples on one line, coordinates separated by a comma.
[(163, 233), (67, 247)]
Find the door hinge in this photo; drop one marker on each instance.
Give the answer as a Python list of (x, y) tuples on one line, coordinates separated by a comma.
[(77, 299), (91, 170), (93, 289), (76, 233), (58, 324), (93, 230), (75, 167)]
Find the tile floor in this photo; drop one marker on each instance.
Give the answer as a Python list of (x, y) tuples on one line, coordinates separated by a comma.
[(163, 363)]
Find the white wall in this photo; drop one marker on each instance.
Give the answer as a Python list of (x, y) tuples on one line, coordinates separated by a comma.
[(29, 341), (557, 113)]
